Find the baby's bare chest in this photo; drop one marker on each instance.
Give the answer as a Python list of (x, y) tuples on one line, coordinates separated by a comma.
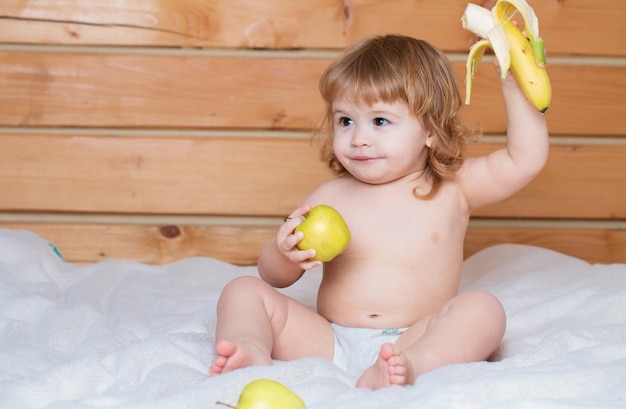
[(406, 225)]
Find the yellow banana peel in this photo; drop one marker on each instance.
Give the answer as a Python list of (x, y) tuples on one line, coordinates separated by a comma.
[(523, 55)]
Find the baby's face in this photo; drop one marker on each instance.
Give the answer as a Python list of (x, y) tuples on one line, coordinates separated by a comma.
[(379, 143)]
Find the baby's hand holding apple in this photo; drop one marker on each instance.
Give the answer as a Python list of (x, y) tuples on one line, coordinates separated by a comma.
[(287, 240), (325, 231)]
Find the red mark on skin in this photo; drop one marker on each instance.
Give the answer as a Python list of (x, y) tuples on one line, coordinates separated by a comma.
[(434, 237)]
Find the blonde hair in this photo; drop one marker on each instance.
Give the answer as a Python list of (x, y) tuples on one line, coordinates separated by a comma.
[(392, 68)]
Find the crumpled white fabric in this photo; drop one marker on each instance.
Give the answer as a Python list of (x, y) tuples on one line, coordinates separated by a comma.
[(120, 334)]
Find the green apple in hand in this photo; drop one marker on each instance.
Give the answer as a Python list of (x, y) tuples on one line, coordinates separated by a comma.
[(267, 394), (325, 231)]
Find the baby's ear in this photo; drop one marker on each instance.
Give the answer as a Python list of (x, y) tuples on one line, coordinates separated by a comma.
[(429, 140)]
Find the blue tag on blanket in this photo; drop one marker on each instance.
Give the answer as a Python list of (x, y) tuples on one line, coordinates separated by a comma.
[(56, 250)]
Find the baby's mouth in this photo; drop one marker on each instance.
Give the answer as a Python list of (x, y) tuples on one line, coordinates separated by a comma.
[(362, 158)]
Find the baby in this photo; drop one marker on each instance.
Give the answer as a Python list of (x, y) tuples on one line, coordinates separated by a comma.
[(388, 308)]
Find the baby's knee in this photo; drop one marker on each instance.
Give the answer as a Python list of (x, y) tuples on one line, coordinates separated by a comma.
[(488, 302), (244, 285), (484, 303), (491, 311)]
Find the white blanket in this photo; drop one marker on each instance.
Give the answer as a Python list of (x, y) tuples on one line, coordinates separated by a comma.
[(127, 335)]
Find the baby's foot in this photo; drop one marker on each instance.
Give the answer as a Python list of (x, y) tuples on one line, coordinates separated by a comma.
[(389, 369), (231, 356)]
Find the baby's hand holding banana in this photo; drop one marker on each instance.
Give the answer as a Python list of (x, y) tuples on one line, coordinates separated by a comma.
[(524, 57)]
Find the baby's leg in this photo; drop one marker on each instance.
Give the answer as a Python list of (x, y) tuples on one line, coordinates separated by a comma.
[(256, 323), (467, 328)]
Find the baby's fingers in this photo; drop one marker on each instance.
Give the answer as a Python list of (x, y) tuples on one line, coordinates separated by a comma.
[(286, 237), (309, 264), (299, 215), (289, 241)]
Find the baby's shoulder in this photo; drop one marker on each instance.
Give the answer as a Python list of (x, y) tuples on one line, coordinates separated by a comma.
[(338, 184), (331, 189)]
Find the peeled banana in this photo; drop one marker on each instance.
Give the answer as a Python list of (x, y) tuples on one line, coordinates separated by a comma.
[(523, 55)]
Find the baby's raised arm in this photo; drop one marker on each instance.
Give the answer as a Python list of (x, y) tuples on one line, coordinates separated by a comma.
[(500, 174)]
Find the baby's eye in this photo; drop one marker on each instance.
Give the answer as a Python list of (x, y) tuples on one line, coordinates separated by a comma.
[(345, 121), (380, 122)]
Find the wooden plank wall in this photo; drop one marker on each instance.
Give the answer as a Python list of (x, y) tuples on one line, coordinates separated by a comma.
[(153, 130)]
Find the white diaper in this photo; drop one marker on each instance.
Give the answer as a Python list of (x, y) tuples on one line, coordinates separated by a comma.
[(356, 349)]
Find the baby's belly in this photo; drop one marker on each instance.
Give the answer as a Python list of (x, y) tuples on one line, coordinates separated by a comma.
[(379, 304)]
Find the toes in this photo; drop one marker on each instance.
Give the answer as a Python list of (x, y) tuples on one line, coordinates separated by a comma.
[(219, 362), (396, 364), (216, 367), (225, 348), (387, 351), (396, 369)]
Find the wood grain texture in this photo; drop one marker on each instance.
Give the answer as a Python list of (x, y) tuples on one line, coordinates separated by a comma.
[(178, 91), (256, 176), (186, 65), (593, 245), (87, 243), (578, 182), (594, 28), (232, 176)]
